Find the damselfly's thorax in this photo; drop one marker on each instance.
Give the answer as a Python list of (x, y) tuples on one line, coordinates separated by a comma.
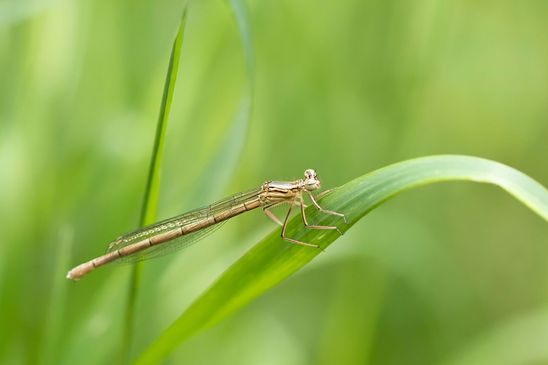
[(276, 191)]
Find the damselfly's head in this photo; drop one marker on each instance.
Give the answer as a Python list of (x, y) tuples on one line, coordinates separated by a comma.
[(311, 181)]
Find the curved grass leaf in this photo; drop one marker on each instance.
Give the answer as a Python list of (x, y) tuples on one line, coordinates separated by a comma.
[(272, 260), (152, 190)]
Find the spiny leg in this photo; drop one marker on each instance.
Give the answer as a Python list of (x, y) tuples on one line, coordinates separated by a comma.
[(315, 203), (324, 193), (285, 225), (271, 215), (305, 222)]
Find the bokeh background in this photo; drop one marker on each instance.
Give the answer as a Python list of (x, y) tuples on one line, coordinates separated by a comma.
[(455, 273)]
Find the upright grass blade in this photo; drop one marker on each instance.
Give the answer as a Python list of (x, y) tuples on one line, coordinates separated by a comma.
[(231, 147), (272, 260), (150, 199), (53, 320), (240, 11)]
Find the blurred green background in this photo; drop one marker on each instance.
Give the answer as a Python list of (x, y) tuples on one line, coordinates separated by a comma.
[(449, 274)]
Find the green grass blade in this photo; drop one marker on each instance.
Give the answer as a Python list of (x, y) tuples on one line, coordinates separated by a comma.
[(53, 321), (152, 190), (239, 9), (150, 200), (272, 260), (227, 156)]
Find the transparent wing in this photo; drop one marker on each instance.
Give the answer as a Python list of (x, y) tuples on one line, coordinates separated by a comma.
[(174, 223)]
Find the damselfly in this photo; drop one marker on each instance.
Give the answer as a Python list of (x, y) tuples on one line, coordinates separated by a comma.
[(181, 231)]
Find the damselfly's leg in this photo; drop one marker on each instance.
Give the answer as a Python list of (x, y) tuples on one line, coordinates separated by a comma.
[(324, 193), (285, 225), (271, 215), (325, 210), (305, 222)]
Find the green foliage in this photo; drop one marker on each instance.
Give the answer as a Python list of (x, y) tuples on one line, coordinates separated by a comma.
[(449, 274)]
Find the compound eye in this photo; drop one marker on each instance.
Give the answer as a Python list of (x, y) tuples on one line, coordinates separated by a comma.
[(309, 174)]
